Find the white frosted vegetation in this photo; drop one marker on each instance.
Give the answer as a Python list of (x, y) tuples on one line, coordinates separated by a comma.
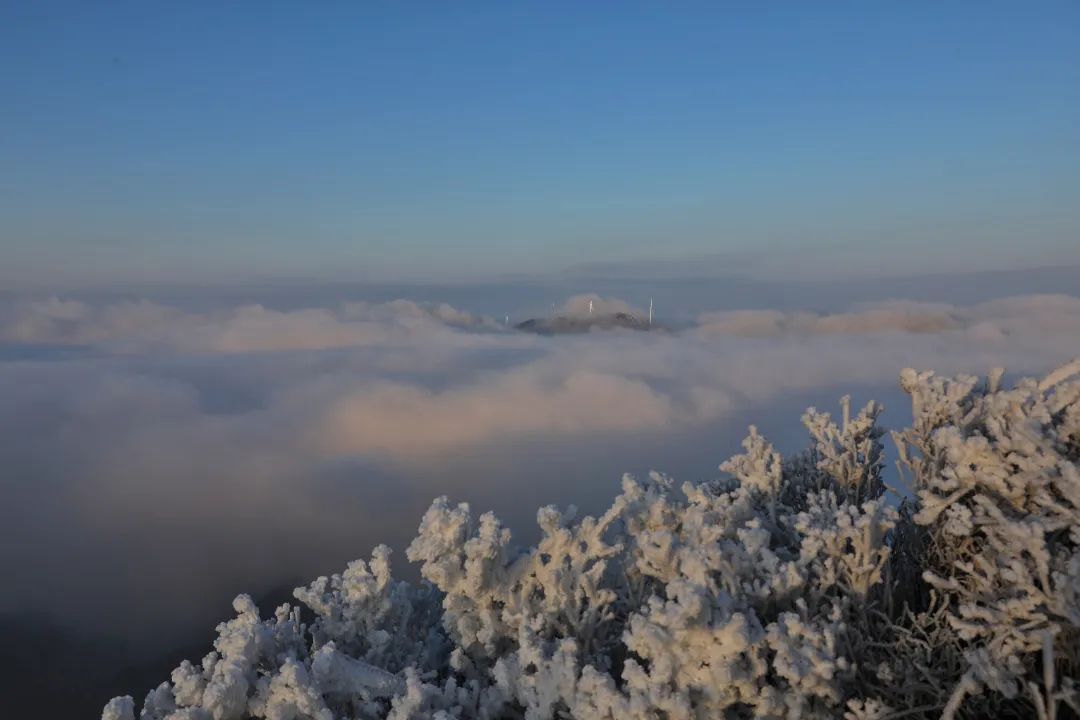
[(789, 588)]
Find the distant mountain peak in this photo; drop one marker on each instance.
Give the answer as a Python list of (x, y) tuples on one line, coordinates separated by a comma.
[(578, 324)]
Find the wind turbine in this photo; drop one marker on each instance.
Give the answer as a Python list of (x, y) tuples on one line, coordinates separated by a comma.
[(650, 312)]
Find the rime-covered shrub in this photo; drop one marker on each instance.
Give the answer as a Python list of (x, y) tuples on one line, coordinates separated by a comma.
[(787, 588), (998, 505)]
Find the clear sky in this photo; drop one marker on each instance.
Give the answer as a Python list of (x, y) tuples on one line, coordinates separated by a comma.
[(190, 140)]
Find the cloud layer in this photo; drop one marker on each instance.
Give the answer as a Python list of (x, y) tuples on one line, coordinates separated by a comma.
[(995, 319), (143, 326), (188, 455)]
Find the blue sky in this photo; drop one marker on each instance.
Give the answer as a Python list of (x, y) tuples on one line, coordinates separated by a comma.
[(145, 141)]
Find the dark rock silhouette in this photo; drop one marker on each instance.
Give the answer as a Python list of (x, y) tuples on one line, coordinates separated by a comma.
[(577, 324)]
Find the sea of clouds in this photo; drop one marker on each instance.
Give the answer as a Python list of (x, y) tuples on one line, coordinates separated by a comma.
[(159, 459)]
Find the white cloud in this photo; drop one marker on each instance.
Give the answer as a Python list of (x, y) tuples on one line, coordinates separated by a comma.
[(987, 321), (145, 326), (408, 422), (150, 467), (904, 317)]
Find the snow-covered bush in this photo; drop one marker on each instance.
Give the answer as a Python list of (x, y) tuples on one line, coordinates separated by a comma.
[(787, 588), (998, 502)]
